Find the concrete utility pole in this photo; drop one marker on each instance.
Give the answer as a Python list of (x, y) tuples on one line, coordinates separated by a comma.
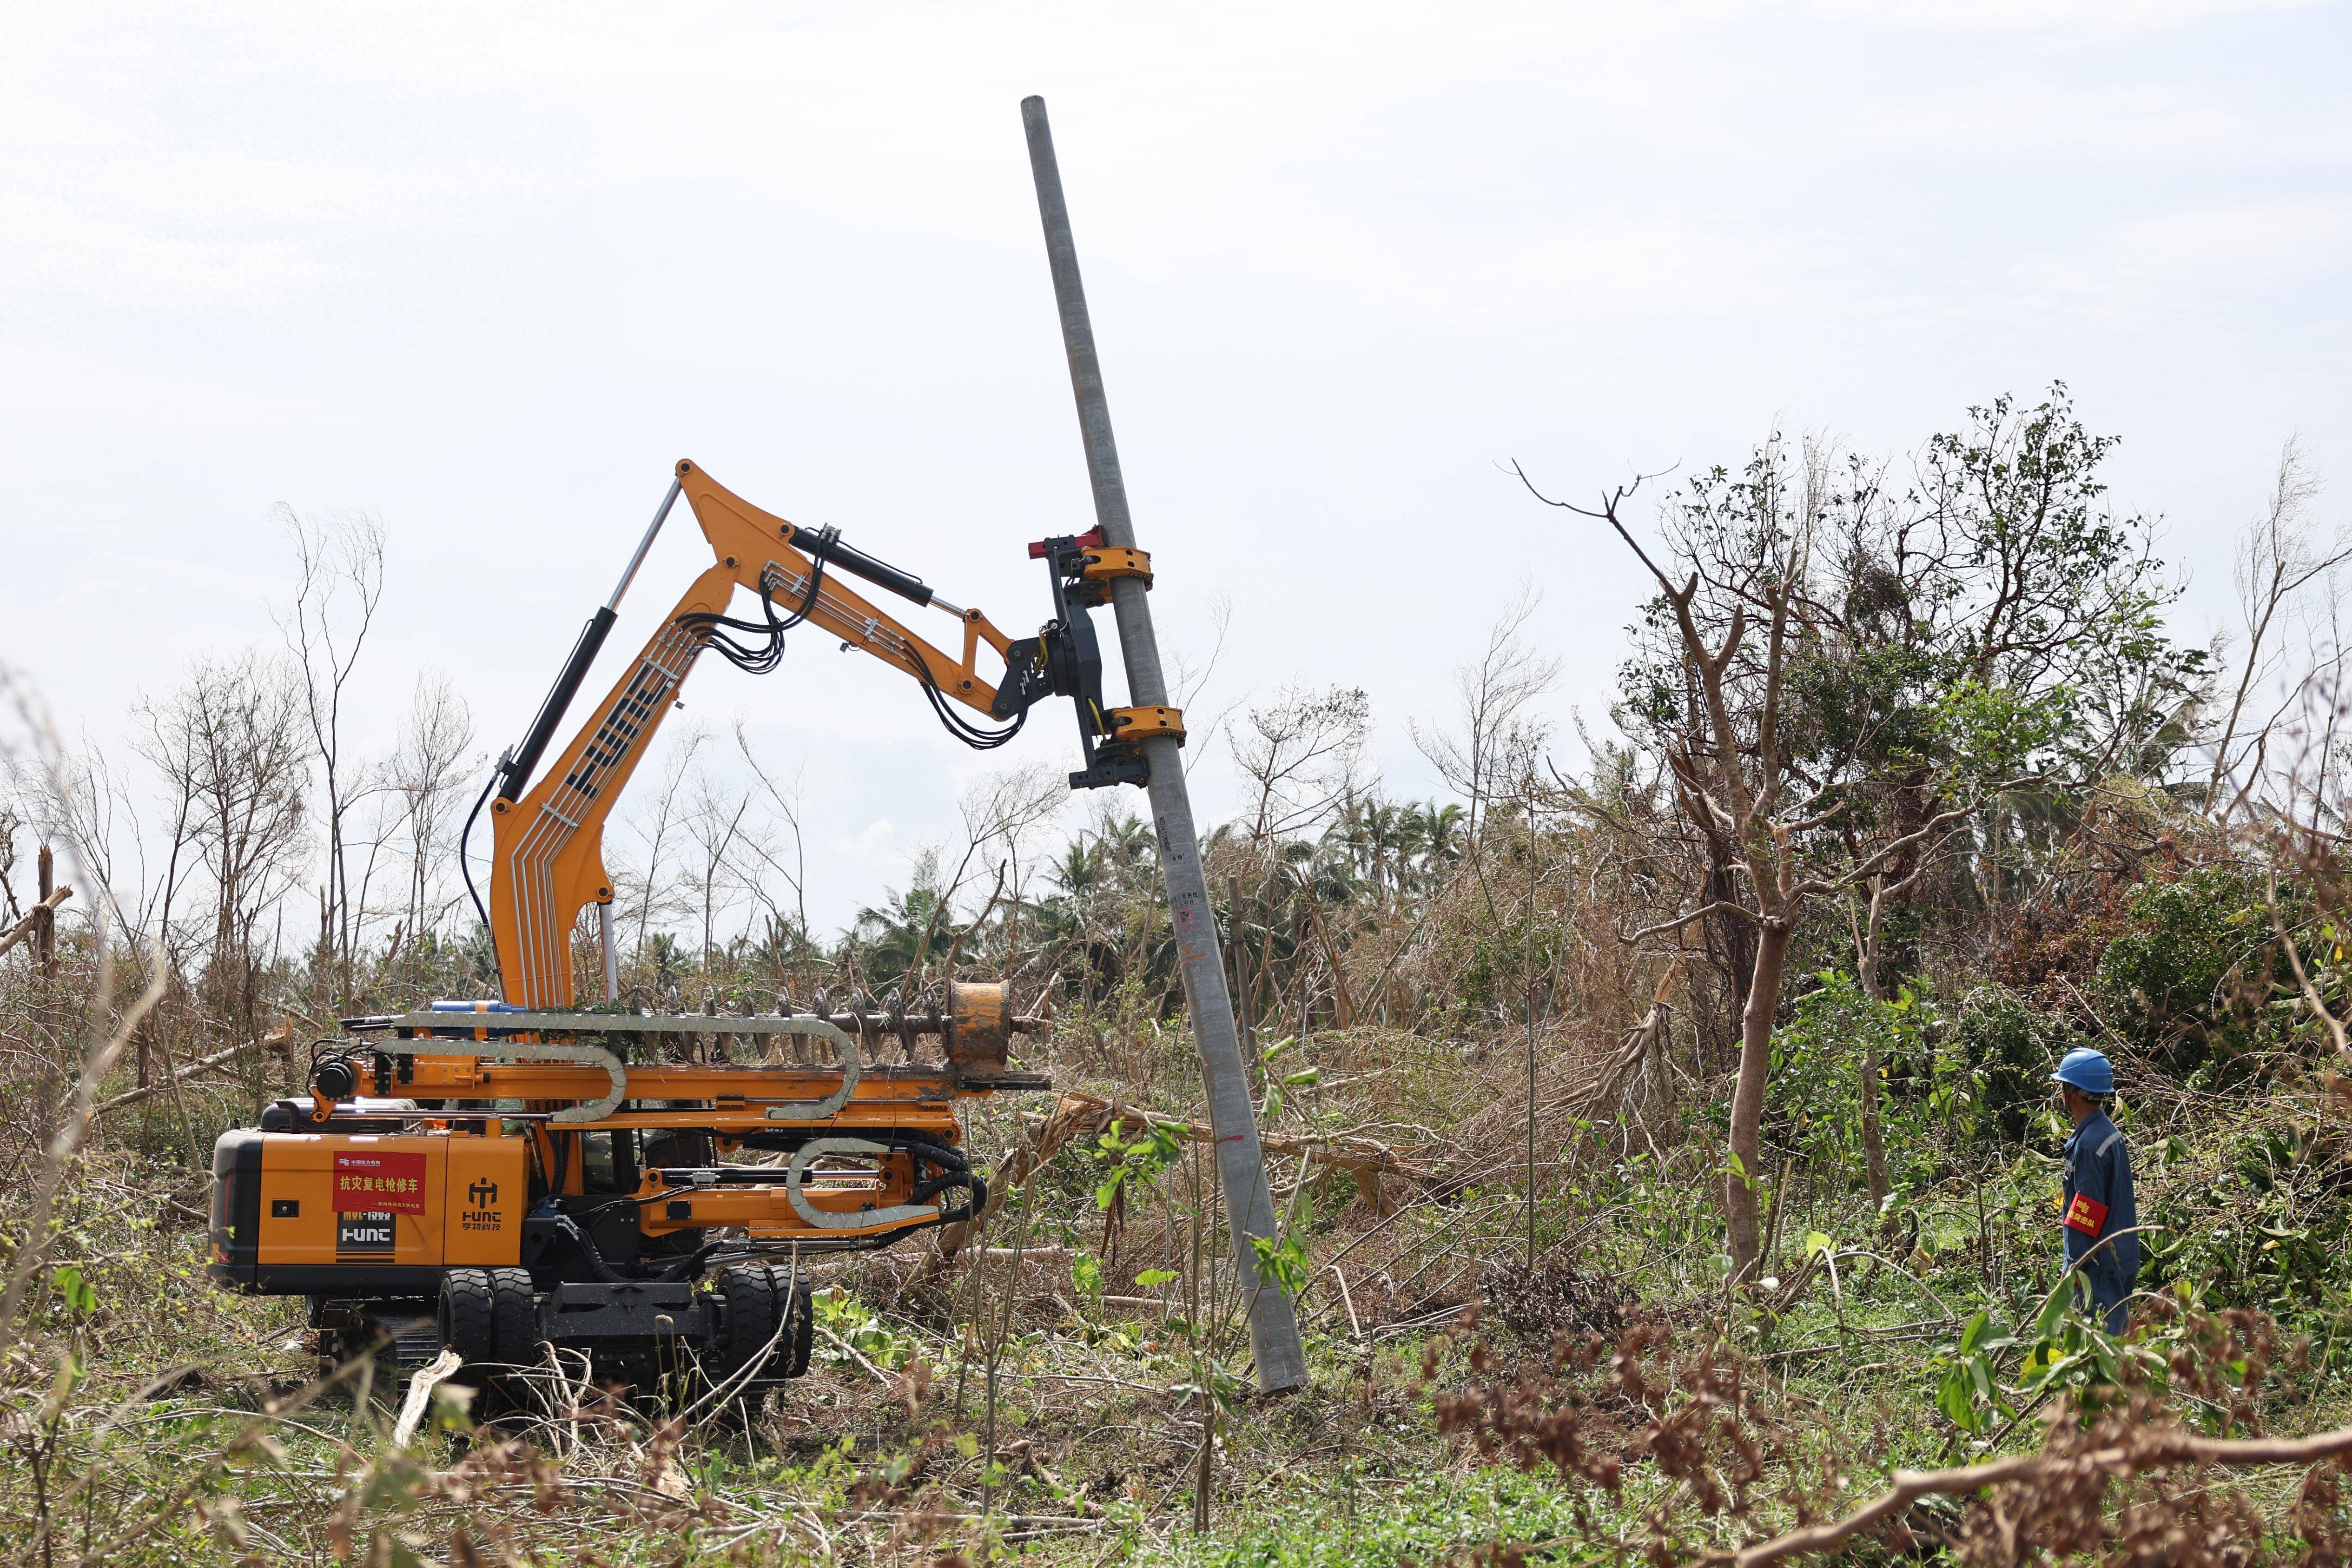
[(1241, 1164)]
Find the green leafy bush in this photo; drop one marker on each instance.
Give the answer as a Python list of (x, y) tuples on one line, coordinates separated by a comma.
[(1819, 1057), (2176, 982), (1813, 1101), (2257, 1219), (1995, 1068)]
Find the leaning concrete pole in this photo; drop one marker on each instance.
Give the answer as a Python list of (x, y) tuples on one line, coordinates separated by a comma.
[(1241, 1164)]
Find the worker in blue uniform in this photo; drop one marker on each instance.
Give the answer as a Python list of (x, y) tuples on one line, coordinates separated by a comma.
[(2100, 1219)]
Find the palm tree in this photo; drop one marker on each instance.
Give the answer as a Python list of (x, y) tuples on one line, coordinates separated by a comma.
[(1078, 873), (889, 942), (1103, 911), (1432, 834), (784, 946), (670, 959), (1130, 853), (1377, 835)]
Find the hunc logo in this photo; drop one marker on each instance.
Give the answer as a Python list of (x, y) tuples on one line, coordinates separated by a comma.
[(482, 1194)]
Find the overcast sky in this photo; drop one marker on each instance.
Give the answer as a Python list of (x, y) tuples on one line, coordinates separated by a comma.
[(486, 272)]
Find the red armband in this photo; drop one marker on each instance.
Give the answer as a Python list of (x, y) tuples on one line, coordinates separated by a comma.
[(2085, 1215)]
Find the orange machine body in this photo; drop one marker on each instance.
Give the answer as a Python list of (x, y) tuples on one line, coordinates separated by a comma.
[(497, 1177), (387, 1205)]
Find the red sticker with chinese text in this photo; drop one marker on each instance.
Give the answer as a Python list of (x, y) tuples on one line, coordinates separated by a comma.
[(2085, 1215), (374, 1183)]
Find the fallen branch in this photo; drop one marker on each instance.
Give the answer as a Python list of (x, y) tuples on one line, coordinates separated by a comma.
[(1078, 1115), (34, 916), (2149, 1449), (173, 1072), (420, 1396), (851, 1351), (1633, 1051), (1340, 1153), (1041, 1144)]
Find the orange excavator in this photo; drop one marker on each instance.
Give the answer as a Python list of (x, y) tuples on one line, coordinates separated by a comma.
[(517, 1177)]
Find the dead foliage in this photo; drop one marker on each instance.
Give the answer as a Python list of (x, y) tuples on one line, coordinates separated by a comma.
[(2122, 1476)]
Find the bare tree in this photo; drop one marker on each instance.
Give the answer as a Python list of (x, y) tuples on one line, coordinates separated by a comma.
[(2282, 561), (1006, 807), (1499, 740), (715, 820), (1303, 757), (232, 745), (339, 583), (657, 824), (1188, 682), (76, 801), (1002, 813), (761, 855), (427, 774), (83, 801), (1735, 769)]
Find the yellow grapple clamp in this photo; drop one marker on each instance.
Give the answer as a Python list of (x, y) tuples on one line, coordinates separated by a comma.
[(1105, 561), (1143, 724)]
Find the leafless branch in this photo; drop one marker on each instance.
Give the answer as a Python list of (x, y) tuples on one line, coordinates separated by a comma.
[(2148, 1450), (2302, 978), (1679, 922)]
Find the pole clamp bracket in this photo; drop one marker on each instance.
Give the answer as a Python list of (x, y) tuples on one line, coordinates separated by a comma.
[(1102, 562), (1145, 723)]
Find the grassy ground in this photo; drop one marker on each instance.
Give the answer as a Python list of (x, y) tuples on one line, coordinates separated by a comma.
[(1051, 1394), (155, 1419)]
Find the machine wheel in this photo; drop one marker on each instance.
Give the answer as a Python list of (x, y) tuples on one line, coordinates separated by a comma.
[(748, 1293), (467, 1315), (514, 1316)]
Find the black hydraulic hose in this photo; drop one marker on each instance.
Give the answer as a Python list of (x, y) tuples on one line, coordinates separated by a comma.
[(927, 1190), (687, 1268), (936, 1151), (596, 1263), (690, 1267), (956, 725), (465, 867), (764, 658)]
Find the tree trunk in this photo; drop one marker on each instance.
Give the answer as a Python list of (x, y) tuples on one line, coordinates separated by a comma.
[(1730, 948), (1874, 1137), (1747, 1098), (1873, 1141)]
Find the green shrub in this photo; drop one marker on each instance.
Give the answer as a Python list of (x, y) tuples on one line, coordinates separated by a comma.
[(1813, 1102), (2173, 982), (1995, 1068)]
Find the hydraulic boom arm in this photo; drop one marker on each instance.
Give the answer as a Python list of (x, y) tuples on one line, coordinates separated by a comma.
[(547, 862)]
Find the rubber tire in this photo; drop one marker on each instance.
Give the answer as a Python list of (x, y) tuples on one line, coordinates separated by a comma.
[(793, 1295), (514, 1316), (747, 1294), (467, 1315)]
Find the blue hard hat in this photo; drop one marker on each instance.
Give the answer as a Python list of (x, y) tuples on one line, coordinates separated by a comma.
[(2087, 1070)]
